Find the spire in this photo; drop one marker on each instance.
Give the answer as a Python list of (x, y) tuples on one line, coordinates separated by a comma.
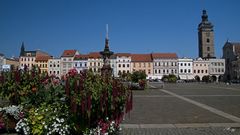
[(106, 39), (22, 49), (107, 31), (106, 52), (204, 16)]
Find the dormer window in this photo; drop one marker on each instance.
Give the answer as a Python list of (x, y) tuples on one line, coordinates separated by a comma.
[(28, 54)]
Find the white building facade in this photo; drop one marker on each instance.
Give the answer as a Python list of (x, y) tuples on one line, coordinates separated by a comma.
[(54, 67), (67, 61), (185, 68), (113, 63), (217, 68), (164, 64), (80, 62), (123, 62)]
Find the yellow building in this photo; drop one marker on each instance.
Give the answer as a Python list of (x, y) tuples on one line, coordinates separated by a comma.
[(41, 61), (142, 62)]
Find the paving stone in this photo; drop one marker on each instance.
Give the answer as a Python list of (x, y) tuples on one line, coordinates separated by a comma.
[(157, 113)]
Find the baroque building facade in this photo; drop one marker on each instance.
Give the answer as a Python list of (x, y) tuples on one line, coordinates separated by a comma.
[(142, 62), (200, 68), (54, 67), (217, 68), (164, 64), (80, 62), (123, 61), (95, 62), (185, 69), (27, 58), (67, 58)]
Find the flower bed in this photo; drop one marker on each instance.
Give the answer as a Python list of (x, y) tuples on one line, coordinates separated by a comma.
[(82, 103)]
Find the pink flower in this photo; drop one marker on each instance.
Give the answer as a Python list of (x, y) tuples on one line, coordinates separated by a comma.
[(55, 81), (72, 72), (21, 115), (2, 125)]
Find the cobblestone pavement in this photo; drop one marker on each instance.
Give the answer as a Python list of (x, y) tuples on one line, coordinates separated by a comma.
[(185, 109), (181, 131)]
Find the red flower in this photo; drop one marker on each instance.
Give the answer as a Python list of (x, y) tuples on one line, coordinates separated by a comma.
[(72, 72)]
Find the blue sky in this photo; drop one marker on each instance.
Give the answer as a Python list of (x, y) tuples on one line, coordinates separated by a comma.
[(136, 26)]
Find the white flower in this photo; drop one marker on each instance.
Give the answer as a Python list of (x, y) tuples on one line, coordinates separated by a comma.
[(12, 110)]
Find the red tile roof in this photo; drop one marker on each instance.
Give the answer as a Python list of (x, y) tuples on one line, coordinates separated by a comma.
[(69, 53), (81, 57), (164, 56), (141, 57), (42, 58), (123, 54), (94, 55)]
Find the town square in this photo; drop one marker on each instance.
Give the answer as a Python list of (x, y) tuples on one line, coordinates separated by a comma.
[(119, 67), (185, 109)]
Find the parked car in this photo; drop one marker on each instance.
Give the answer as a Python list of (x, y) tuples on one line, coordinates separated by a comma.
[(180, 81)]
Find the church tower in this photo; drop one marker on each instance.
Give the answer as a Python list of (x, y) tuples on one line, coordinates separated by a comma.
[(22, 49), (205, 38)]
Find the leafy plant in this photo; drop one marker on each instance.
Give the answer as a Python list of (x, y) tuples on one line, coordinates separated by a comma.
[(46, 119), (93, 98), (138, 75), (69, 106), (10, 115)]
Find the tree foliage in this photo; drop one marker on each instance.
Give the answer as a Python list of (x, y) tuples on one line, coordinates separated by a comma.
[(169, 78), (138, 75)]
